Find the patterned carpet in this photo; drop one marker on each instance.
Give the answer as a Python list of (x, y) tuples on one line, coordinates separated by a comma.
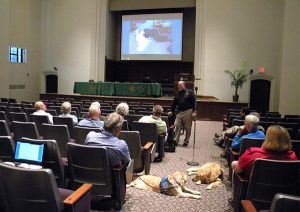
[(205, 151)]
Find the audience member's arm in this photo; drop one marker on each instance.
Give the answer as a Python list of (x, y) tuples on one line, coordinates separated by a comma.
[(236, 141), (235, 166), (125, 153)]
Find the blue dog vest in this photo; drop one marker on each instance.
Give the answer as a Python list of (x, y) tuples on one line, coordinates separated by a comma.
[(165, 184)]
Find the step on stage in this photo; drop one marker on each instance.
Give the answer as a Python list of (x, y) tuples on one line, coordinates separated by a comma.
[(208, 108)]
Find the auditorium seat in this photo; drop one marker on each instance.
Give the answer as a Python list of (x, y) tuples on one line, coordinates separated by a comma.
[(131, 118), (267, 178), (52, 112), (17, 116), (109, 187), (246, 144), (15, 109), (36, 190), (60, 134), (68, 121), (280, 203), (296, 147), (3, 116), (52, 159), (4, 128), (266, 124), (140, 154), (29, 111), (292, 116), (24, 129), (81, 133), (7, 148), (125, 126), (56, 108), (39, 120)]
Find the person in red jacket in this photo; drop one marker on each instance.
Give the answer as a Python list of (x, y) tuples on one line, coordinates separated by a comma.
[(277, 146)]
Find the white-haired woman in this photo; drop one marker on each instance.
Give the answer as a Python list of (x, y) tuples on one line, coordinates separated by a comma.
[(66, 109), (122, 109)]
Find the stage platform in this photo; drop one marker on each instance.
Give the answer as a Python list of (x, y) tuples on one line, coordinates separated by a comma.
[(208, 108)]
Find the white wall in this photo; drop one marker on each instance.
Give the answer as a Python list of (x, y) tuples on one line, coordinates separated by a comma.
[(290, 66), (235, 31), (4, 43), (68, 33), (20, 27)]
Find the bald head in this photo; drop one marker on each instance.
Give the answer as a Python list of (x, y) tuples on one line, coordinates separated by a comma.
[(40, 106), (94, 112), (97, 104), (181, 85)]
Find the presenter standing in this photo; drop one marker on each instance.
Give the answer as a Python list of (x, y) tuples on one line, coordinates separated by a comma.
[(185, 102)]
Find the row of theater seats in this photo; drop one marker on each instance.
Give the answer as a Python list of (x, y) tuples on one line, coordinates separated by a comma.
[(268, 177), (290, 122), (79, 108), (98, 185), (141, 141)]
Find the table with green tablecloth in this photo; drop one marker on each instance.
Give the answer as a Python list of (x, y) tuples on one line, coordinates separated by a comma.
[(118, 89), (88, 88)]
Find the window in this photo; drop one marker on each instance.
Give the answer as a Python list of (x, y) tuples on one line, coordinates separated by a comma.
[(17, 55)]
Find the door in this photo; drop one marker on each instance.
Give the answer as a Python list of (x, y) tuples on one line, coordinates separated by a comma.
[(51, 83), (260, 95)]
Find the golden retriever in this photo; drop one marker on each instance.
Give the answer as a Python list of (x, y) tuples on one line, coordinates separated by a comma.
[(209, 173), (172, 185)]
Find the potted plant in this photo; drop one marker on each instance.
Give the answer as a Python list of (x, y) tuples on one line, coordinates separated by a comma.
[(238, 78)]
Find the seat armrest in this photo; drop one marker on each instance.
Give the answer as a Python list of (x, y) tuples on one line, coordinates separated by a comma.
[(248, 206), (129, 171), (148, 145), (234, 153), (119, 168), (152, 153), (241, 178), (79, 200)]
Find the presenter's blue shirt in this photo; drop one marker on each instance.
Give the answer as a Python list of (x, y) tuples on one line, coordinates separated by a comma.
[(236, 143), (117, 149), (91, 123)]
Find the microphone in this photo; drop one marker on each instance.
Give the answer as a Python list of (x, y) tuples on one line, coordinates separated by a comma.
[(196, 89)]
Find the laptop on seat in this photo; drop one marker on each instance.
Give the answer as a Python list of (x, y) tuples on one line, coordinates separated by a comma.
[(29, 153)]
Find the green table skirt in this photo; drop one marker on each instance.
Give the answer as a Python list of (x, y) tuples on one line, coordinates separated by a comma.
[(118, 89)]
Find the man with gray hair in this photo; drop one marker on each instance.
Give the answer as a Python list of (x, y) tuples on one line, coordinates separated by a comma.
[(93, 119), (122, 109), (249, 130), (66, 109), (117, 149)]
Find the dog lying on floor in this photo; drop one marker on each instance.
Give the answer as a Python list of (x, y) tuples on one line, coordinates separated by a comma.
[(209, 173), (172, 185)]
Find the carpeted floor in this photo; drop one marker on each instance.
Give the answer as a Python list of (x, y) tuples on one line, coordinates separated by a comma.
[(205, 151)]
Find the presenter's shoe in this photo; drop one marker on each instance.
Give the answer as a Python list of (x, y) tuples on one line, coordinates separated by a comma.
[(217, 135), (158, 159), (185, 144)]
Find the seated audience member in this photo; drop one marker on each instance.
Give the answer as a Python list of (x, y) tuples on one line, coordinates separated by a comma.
[(122, 109), (249, 130), (97, 104), (219, 138), (161, 127), (277, 146), (66, 109), (93, 119), (117, 149), (40, 109)]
